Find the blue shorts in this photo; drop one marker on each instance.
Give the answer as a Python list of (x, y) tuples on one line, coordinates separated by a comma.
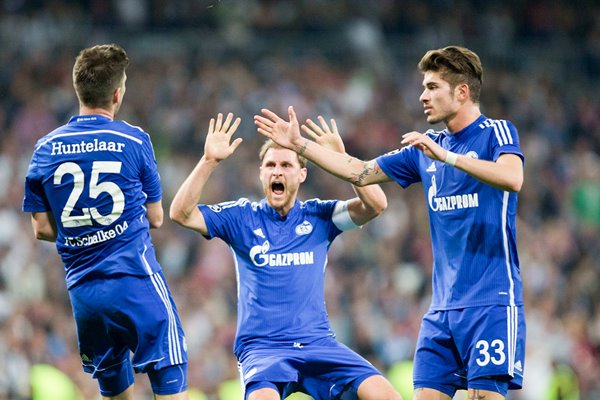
[(124, 315), (325, 370), (477, 347)]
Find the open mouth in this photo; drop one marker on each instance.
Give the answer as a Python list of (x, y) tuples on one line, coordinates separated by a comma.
[(277, 187)]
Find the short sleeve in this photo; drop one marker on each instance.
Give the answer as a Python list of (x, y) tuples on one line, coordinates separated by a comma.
[(34, 199), (401, 165), (222, 219), (150, 177), (506, 140)]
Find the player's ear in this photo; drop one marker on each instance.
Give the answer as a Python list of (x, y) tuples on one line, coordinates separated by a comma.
[(116, 95), (303, 174), (463, 91)]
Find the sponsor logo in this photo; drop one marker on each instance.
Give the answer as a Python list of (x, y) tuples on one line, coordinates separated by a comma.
[(431, 168), (453, 202), (261, 257), (519, 366), (259, 232)]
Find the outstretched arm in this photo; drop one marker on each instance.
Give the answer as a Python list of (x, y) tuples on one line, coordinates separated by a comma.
[(218, 146), (287, 134), (505, 174), (371, 200)]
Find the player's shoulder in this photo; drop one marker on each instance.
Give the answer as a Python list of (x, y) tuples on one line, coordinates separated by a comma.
[(496, 125), (436, 136), (317, 206), (316, 202), (491, 123), (432, 133), (50, 136), (128, 130), (502, 130), (239, 205)]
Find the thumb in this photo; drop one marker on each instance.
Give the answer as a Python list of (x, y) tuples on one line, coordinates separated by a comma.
[(235, 144)]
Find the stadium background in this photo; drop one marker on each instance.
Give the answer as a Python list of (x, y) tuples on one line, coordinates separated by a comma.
[(352, 60)]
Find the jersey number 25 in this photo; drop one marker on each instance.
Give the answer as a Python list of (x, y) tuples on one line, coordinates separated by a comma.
[(95, 189)]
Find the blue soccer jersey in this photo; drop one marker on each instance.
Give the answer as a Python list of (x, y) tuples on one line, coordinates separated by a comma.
[(95, 175), (472, 224), (280, 264)]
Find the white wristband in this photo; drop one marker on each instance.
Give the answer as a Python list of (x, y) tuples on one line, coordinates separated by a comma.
[(451, 158)]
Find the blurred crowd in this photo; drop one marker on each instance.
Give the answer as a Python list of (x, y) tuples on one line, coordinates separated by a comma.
[(354, 61)]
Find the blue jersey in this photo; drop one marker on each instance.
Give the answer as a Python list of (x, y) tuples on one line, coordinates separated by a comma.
[(280, 265), (472, 224), (95, 175)]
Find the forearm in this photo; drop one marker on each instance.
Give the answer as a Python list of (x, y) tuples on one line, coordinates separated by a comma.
[(504, 174), (372, 202), (341, 165), (188, 196), (155, 214), (44, 226), (49, 236)]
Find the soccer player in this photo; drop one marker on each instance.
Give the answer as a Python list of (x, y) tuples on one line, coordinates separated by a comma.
[(93, 188), (284, 342), (473, 335)]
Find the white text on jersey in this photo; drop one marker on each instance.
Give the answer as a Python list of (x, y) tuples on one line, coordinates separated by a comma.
[(60, 148), (447, 203), (260, 257), (97, 237), (455, 202)]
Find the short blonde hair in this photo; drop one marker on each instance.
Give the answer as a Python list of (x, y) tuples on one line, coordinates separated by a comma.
[(270, 144)]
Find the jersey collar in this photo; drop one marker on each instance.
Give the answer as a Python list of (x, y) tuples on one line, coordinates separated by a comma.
[(91, 118), (275, 215), (465, 132)]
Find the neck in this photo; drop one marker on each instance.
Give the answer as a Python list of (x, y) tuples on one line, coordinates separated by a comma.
[(84, 110), (282, 209), (463, 118)]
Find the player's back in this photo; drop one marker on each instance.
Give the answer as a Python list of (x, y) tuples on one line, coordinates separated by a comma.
[(95, 175)]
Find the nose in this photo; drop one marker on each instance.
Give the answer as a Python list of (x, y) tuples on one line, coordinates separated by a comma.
[(277, 170), (423, 97)]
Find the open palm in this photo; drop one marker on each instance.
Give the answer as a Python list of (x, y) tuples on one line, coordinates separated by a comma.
[(218, 145)]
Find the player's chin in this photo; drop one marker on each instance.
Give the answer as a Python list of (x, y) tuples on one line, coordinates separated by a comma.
[(277, 198), (433, 119)]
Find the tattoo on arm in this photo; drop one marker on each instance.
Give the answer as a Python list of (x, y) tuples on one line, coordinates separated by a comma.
[(303, 149), (368, 169)]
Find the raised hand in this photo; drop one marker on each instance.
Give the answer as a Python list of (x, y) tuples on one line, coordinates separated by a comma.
[(284, 133), (323, 135), (218, 145), (425, 144)]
